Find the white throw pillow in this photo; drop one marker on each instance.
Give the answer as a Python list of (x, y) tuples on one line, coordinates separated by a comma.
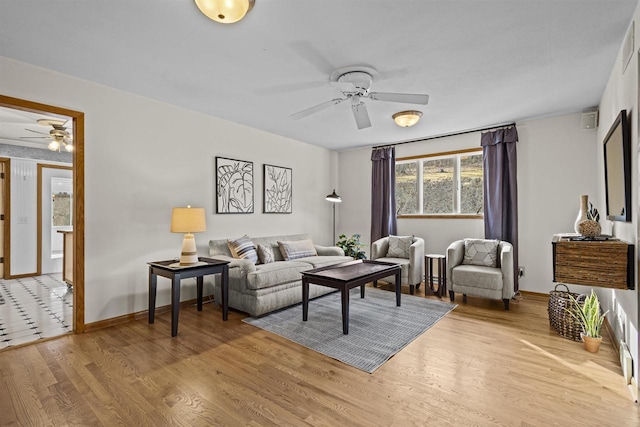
[(399, 246), (481, 252)]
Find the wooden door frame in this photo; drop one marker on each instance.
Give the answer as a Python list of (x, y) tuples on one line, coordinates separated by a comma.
[(6, 248), (78, 194)]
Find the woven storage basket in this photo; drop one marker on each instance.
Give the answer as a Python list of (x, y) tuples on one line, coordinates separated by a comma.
[(559, 318)]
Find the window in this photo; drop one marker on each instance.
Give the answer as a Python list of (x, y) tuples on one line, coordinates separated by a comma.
[(449, 184)]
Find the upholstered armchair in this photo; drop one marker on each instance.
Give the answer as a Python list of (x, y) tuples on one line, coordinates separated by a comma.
[(408, 251), (481, 268)]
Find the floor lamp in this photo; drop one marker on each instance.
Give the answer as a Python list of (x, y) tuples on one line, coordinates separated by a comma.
[(334, 198)]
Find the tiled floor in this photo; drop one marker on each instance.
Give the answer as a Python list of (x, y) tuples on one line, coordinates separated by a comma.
[(34, 308)]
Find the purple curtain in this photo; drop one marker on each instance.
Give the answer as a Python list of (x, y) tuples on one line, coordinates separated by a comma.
[(501, 189), (383, 192)]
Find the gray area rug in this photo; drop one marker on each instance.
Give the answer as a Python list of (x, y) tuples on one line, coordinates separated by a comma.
[(377, 328)]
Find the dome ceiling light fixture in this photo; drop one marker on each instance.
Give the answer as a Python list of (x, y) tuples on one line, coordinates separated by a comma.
[(407, 118), (225, 11)]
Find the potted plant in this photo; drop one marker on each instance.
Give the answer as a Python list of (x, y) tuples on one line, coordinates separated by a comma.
[(351, 246), (590, 316)]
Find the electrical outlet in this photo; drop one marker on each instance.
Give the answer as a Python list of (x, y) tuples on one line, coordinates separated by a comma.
[(520, 271)]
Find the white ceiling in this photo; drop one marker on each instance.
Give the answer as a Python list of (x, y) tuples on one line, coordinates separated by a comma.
[(481, 62)]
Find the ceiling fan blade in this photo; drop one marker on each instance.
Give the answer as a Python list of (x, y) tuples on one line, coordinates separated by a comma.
[(35, 137), (35, 131), (361, 115), (316, 108), (409, 98)]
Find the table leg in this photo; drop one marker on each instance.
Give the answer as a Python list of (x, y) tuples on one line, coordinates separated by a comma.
[(431, 274), (225, 292), (153, 286), (361, 291), (345, 311), (305, 299), (175, 304), (199, 286), (444, 277), (398, 286)]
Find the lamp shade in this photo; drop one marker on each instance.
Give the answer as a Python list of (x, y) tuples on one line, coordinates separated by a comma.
[(225, 11), (333, 197), (188, 220), (407, 118)]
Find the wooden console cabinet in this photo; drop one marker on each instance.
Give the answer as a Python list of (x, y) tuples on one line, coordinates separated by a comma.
[(67, 257), (603, 263)]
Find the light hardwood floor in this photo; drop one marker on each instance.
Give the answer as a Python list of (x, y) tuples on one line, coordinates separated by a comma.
[(478, 366)]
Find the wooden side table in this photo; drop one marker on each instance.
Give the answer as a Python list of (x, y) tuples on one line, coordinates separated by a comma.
[(164, 269), (442, 273)]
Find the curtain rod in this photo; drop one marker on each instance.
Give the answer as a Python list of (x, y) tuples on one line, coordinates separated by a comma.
[(506, 125)]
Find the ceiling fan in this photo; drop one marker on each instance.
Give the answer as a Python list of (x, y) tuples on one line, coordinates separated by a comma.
[(58, 135), (355, 84)]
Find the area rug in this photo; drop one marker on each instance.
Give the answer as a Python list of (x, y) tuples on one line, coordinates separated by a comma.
[(377, 328)]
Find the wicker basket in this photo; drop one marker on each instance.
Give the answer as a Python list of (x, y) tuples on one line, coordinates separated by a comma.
[(560, 319)]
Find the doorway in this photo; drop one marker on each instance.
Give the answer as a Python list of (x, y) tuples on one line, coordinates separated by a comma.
[(78, 195)]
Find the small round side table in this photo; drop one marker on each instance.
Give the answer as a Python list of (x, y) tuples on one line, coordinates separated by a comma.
[(442, 273)]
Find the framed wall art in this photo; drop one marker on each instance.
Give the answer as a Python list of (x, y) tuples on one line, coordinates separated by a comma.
[(234, 186), (277, 195)]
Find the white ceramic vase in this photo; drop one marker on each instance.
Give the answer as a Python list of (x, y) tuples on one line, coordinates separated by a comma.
[(582, 214)]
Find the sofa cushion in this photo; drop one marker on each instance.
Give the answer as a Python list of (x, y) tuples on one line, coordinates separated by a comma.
[(265, 254), (324, 260), (481, 252), (399, 246), (294, 249), (276, 273), (477, 276), (243, 248)]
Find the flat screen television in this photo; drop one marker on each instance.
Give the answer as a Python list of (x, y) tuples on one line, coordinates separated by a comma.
[(617, 169)]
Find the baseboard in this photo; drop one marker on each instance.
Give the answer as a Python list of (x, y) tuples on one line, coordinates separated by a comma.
[(101, 324)]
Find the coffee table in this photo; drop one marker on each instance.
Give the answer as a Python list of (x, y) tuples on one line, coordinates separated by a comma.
[(347, 276)]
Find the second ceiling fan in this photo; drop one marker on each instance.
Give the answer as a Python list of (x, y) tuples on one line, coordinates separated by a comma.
[(355, 84)]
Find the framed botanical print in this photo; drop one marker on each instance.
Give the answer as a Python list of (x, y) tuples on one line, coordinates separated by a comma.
[(234, 186), (278, 194)]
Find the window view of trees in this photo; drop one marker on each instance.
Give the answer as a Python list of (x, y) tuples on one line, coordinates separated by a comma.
[(61, 209), (438, 185), (471, 191), (450, 185), (407, 187)]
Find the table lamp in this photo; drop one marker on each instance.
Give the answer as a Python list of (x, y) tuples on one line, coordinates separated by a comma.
[(188, 220)]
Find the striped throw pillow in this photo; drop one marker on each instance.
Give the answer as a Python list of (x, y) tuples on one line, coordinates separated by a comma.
[(243, 248), (295, 249)]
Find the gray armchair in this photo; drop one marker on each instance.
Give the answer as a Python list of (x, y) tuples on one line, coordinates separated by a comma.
[(469, 270), (412, 266)]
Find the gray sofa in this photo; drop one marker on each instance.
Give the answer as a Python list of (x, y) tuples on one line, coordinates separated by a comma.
[(258, 289)]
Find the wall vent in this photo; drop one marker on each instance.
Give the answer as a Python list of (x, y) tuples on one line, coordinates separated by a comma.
[(627, 47)]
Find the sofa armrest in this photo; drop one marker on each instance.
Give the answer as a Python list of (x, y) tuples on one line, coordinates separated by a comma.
[(416, 260), (245, 265), (455, 254), (506, 265), (329, 250), (379, 248)]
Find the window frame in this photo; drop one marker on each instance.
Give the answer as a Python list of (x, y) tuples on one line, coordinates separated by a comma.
[(457, 190)]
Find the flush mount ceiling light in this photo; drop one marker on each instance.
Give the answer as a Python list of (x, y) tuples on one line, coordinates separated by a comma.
[(225, 11), (408, 118)]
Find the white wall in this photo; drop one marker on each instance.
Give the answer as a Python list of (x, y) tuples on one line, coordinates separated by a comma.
[(24, 217), (143, 157), (622, 93), (556, 164)]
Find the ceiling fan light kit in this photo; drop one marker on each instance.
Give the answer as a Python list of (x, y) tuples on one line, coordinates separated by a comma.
[(407, 118), (225, 11), (59, 135), (355, 84)]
